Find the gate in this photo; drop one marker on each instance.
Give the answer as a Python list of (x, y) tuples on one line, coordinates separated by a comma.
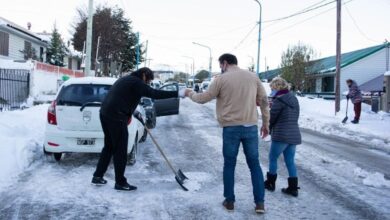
[(14, 88)]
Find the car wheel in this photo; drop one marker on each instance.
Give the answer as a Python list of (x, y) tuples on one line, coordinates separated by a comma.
[(133, 154), (57, 156), (144, 136)]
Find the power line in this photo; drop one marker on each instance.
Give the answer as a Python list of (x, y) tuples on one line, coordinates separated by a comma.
[(357, 26), (300, 22), (246, 36), (308, 9)]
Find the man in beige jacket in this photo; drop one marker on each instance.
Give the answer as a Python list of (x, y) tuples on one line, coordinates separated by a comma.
[(237, 91)]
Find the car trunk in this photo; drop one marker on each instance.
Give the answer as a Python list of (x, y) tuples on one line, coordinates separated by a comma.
[(78, 107), (72, 119)]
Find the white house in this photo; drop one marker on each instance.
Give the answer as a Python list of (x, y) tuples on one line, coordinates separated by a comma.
[(14, 39)]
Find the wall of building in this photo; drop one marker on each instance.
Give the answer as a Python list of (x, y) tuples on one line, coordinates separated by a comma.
[(364, 70), (16, 44)]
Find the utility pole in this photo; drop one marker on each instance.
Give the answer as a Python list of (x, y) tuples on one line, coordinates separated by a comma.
[(138, 51), (97, 56), (89, 39), (211, 59), (338, 57), (258, 44), (146, 52)]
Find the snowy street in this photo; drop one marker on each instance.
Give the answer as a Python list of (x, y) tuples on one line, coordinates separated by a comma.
[(339, 178)]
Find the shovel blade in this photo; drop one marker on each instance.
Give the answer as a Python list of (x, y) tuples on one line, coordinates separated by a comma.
[(181, 182), (345, 119), (181, 175)]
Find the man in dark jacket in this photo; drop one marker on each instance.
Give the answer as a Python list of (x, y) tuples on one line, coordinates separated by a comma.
[(115, 113), (356, 97)]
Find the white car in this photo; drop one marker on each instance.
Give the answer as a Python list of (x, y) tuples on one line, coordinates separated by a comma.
[(73, 123)]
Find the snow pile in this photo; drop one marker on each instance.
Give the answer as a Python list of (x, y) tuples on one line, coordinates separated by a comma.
[(318, 115), (372, 179), (10, 64), (21, 138)]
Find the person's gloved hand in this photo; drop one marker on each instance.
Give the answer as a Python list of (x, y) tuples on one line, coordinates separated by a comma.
[(182, 92)]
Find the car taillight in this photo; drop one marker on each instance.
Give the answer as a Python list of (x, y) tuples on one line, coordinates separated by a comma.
[(129, 121), (51, 114), (53, 144)]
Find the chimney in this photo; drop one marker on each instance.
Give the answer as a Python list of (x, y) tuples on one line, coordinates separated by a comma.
[(28, 25)]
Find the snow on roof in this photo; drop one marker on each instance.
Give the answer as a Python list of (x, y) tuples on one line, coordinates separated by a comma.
[(19, 28), (44, 36), (91, 80), (387, 73)]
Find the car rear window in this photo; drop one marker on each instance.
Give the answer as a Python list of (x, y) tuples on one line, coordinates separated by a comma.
[(78, 94)]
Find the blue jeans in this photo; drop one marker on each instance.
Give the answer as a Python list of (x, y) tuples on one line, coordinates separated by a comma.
[(248, 136), (288, 152)]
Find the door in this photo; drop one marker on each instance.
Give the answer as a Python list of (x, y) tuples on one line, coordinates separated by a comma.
[(167, 106)]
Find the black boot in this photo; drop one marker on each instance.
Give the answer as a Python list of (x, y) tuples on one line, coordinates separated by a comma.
[(355, 121), (292, 188), (270, 182)]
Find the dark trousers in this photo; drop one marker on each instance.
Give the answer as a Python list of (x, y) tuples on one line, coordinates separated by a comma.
[(358, 109), (115, 145)]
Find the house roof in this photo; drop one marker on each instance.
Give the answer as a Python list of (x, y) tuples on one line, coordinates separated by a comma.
[(20, 29), (328, 64), (374, 85)]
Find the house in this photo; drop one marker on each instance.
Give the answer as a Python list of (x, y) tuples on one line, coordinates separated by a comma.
[(73, 58), (361, 65), (15, 39)]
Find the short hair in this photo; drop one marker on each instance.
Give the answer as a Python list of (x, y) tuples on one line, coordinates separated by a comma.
[(349, 80), (144, 71), (229, 58), (279, 83)]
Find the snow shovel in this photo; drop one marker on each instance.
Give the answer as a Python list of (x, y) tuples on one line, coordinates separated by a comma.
[(346, 114), (179, 175)]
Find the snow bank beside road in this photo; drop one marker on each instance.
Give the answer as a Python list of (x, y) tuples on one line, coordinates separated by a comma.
[(318, 115), (21, 136)]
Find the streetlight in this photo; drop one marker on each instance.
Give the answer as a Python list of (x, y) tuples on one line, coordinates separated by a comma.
[(193, 69), (211, 59), (258, 46)]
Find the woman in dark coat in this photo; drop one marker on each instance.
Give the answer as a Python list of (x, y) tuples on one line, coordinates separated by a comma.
[(285, 135)]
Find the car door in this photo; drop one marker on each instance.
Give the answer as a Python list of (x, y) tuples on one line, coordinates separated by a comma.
[(167, 106)]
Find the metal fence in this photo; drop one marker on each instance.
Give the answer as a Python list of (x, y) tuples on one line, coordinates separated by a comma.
[(14, 88)]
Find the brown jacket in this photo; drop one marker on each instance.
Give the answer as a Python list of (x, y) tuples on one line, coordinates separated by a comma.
[(237, 92)]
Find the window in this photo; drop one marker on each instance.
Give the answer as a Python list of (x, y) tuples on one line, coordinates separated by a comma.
[(328, 84), (70, 63), (4, 43), (78, 94), (41, 54)]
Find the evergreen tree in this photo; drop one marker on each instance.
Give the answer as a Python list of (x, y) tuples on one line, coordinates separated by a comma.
[(57, 49), (117, 39)]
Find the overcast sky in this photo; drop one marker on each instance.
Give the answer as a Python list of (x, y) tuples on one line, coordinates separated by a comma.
[(170, 26)]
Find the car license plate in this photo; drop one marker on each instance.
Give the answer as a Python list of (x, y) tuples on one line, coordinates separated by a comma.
[(85, 141)]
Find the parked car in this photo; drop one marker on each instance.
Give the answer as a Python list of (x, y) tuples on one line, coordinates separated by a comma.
[(73, 123), (150, 112), (204, 86)]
